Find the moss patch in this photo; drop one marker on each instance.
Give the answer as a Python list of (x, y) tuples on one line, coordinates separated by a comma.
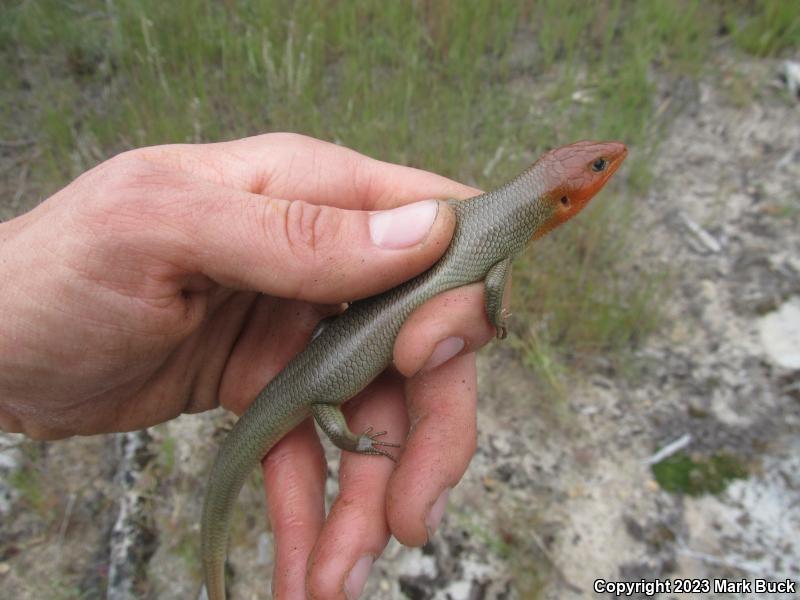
[(683, 474)]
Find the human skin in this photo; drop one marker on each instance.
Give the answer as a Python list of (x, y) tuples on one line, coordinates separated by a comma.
[(177, 278)]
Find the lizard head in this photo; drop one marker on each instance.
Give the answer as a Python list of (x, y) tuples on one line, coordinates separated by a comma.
[(574, 174)]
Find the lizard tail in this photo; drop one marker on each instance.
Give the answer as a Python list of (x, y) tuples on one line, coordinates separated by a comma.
[(228, 477), (245, 446)]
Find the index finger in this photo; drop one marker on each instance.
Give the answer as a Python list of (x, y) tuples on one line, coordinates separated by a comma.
[(297, 167)]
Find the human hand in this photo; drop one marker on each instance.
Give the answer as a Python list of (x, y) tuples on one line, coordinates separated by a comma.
[(130, 297)]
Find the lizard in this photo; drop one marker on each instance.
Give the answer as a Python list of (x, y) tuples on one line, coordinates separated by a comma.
[(348, 351)]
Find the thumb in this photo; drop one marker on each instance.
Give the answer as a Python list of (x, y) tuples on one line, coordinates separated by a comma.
[(318, 253)]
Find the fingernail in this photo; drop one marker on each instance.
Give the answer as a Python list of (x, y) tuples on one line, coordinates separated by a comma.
[(403, 226), (357, 577), (436, 513), (444, 351)]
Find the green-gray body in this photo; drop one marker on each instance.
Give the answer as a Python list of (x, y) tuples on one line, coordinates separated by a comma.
[(357, 345)]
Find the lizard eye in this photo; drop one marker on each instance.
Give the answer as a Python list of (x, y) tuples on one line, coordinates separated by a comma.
[(564, 201), (599, 165)]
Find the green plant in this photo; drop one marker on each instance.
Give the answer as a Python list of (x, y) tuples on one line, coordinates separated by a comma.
[(29, 485), (695, 476), (766, 27)]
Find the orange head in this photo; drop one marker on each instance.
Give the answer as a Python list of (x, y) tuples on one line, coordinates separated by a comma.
[(573, 174)]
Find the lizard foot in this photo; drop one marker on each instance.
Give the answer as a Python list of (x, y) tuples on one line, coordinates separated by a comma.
[(369, 444), (501, 326)]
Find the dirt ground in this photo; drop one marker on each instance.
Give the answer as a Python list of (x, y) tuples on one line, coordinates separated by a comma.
[(558, 495)]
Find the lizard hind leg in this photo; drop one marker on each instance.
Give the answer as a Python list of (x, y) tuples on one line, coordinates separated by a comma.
[(331, 420), (495, 283)]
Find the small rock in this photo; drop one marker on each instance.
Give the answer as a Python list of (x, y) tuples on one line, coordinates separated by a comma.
[(489, 482), (791, 73), (4, 568), (415, 564), (10, 459), (458, 590), (10, 462), (576, 491), (501, 445), (583, 97), (696, 411), (586, 409), (264, 552), (780, 334)]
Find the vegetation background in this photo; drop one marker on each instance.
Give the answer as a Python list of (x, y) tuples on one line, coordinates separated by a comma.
[(473, 90)]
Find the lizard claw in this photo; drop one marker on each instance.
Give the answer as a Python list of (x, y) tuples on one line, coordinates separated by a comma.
[(368, 433), (368, 444), (502, 330)]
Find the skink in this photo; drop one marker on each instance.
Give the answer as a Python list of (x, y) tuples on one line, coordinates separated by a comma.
[(356, 346)]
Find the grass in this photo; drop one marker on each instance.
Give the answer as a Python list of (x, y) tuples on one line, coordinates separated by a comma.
[(767, 27), (29, 485), (473, 90), (186, 548), (683, 474), (59, 588), (514, 540), (166, 455)]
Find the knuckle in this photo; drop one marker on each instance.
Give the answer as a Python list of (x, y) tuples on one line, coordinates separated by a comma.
[(317, 585), (117, 183), (311, 230), (133, 197), (364, 179), (284, 137)]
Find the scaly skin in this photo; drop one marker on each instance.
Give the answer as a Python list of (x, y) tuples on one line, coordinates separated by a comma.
[(356, 346)]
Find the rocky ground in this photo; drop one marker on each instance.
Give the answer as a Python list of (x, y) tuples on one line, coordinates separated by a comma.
[(559, 494)]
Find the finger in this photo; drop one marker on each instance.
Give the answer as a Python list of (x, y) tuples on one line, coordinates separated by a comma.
[(356, 531), (442, 409), (291, 249), (453, 323), (298, 167), (294, 482), (316, 253)]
